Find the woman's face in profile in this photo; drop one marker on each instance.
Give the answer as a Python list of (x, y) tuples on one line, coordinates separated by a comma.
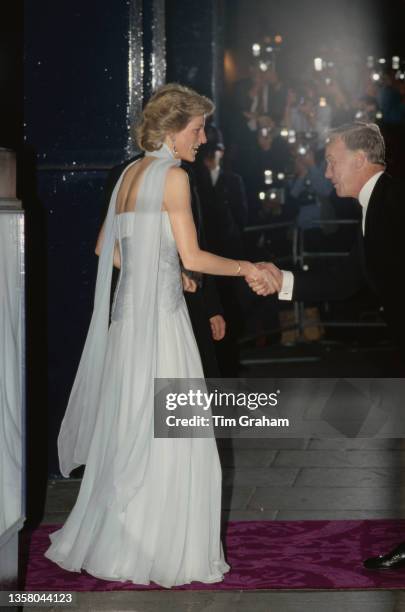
[(190, 138)]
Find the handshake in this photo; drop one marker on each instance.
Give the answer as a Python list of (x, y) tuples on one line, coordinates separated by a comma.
[(263, 278)]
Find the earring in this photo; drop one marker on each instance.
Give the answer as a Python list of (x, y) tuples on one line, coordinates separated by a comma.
[(175, 152)]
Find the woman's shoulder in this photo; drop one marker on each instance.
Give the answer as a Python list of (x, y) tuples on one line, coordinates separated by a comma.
[(177, 177), (177, 188)]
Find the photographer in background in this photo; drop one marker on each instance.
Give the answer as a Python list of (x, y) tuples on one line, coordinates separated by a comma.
[(308, 111), (272, 153), (310, 189), (260, 95)]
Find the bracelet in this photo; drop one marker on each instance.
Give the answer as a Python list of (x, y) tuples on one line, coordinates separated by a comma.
[(239, 268)]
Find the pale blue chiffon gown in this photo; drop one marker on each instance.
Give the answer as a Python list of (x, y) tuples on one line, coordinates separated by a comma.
[(148, 509)]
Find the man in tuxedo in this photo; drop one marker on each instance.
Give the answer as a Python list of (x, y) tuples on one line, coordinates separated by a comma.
[(355, 156), (224, 211)]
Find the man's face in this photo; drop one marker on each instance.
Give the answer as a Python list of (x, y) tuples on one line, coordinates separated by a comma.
[(342, 169)]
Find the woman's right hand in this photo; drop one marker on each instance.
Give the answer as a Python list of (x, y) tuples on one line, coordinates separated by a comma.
[(264, 279), (248, 270)]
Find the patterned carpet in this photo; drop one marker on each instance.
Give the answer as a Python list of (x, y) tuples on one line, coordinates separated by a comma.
[(262, 555)]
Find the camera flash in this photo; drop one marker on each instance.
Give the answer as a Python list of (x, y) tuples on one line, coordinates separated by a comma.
[(262, 195), (358, 115), (273, 195), (382, 60), (256, 49), (395, 62), (378, 115), (375, 76), (268, 177), (284, 132), (281, 176), (318, 64), (263, 66), (322, 101)]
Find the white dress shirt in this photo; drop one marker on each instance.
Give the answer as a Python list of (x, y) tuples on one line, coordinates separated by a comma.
[(365, 195), (287, 286), (214, 172)]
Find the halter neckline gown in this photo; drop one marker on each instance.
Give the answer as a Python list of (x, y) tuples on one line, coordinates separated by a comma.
[(168, 529)]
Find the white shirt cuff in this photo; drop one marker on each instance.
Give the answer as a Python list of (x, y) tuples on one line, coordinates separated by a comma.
[(287, 286)]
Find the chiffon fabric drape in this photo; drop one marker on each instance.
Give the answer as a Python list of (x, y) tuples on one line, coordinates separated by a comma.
[(148, 509)]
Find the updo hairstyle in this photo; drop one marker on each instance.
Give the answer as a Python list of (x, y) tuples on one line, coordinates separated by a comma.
[(168, 111)]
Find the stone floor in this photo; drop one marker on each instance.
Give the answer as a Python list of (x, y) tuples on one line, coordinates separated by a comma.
[(293, 479)]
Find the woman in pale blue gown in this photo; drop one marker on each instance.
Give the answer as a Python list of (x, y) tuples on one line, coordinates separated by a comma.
[(148, 508)]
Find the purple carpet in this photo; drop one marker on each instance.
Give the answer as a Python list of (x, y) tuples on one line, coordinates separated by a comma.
[(262, 555)]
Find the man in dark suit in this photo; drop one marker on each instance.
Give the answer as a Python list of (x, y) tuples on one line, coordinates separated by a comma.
[(204, 305), (355, 165), (355, 157), (224, 210), (222, 197)]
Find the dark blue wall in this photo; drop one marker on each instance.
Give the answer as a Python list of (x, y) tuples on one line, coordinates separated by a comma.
[(76, 79), (11, 55), (76, 92)]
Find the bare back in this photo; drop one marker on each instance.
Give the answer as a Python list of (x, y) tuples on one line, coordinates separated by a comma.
[(129, 188)]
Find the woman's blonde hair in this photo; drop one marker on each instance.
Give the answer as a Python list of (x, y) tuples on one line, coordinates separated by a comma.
[(168, 111)]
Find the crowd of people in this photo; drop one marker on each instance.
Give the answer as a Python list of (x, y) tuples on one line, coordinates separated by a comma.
[(282, 127), (273, 196)]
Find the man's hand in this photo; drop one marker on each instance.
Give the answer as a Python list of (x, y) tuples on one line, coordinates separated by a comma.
[(189, 284), (269, 281), (218, 326)]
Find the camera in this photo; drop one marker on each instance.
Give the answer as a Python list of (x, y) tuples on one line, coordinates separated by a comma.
[(265, 131), (275, 194), (268, 177)]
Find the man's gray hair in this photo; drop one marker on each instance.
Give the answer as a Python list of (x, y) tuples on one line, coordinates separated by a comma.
[(361, 136)]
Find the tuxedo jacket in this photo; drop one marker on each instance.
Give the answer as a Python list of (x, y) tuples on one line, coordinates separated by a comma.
[(224, 209), (376, 260)]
